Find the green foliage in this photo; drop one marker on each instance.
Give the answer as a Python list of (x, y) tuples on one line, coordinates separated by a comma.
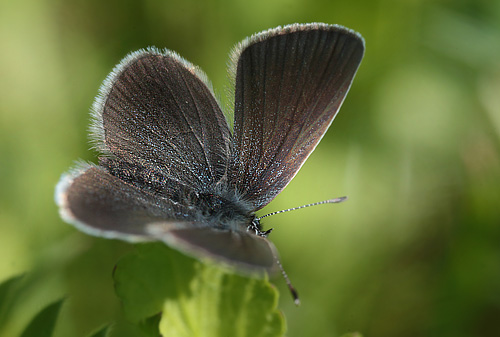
[(146, 277), (194, 298), (103, 332), (8, 292), (42, 325)]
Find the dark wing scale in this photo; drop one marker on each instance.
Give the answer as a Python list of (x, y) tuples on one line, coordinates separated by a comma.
[(158, 111), (290, 84)]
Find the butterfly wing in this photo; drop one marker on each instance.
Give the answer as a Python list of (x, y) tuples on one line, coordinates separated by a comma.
[(100, 204), (290, 83), (157, 111), (245, 251)]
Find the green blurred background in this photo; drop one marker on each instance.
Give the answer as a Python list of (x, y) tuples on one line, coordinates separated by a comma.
[(416, 249)]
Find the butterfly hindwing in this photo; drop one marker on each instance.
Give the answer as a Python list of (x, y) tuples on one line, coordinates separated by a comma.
[(244, 250), (101, 204)]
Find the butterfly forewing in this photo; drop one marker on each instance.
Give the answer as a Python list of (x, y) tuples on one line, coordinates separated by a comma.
[(290, 83), (158, 112)]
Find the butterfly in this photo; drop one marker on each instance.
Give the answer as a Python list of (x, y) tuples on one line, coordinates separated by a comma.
[(172, 169)]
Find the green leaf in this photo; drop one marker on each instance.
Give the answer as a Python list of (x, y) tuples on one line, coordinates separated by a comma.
[(195, 299), (146, 277), (223, 304), (42, 325), (150, 326), (8, 293), (103, 332), (352, 334)]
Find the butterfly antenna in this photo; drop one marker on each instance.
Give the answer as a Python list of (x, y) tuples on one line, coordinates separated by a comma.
[(329, 201), (293, 291)]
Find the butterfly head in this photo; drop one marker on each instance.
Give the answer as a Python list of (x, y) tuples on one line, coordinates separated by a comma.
[(256, 228)]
